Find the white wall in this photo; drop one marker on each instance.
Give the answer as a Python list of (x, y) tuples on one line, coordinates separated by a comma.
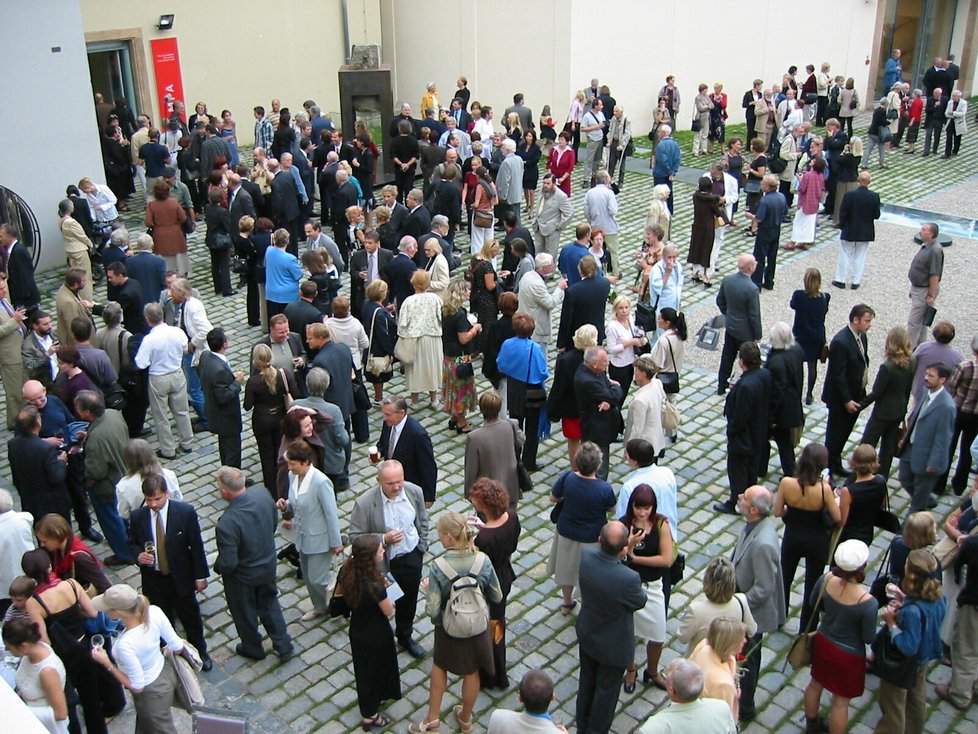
[(45, 152)]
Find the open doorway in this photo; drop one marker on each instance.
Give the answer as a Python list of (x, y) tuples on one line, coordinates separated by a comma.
[(922, 30), (110, 65)]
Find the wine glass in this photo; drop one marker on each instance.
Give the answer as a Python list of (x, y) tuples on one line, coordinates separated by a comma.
[(98, 642)]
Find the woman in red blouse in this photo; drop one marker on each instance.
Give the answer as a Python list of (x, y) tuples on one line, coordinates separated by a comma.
[(561, 162)]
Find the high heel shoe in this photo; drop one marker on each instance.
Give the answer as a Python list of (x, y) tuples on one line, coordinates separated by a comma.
[(452, 424), (630, 684), (648, 678)]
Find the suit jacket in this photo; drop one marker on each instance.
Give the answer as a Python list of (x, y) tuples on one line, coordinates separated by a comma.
[(37, 364), (222, 395), (644, 419), (399, 273), (600, 426), (859, 210), (934, 78), (958, 115), (846, 367), (890, 391), (553, 213), (343, 197), (148, 270), (368, 515), (184, 544), (399, 215), (746, 409), (20, 277), (757, 558), (243, 205), (787, 373), (416, 454), (509, 179), (300, 314), (316, 521), (537, 301), (358, 264), (510, 261), (337, 360), (130, 297), (490, 452), (211, 148), (417, 223), (39, 476), (584, 303), (284, 202), (740, 302), (610, 594), (929, 434), (245, 536)]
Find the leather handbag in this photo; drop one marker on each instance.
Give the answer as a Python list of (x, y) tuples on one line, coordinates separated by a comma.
[(376, 366), (463, 368), (891, 665), (670, 380), (482, 218), (886, 519), (677, 570), (645, 316), (696, 125)]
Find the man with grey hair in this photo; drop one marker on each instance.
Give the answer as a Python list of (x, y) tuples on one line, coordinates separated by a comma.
[(441, 230), (161, 351), (592, 125), (146, 268), (537, 300), (598, 403), (619, 144), (334, 436), (925, 273), (400, 270), (601, 212), (509, 180), (757, 558), (688, 709), (553, 213), (116, 251), (16, 538)]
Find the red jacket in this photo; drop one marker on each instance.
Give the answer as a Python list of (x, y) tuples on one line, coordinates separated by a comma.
[(564, 166)]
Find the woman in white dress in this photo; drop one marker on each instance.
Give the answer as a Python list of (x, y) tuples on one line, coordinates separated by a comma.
[(40, 674), (419, 318), (141, 461)]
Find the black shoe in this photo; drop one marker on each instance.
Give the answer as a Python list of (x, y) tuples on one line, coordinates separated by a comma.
[(727, 508), (161, 455), (768, 287), (207, 665), (199, 427), (114, 561), (287, 655), (185, 450), (809, 399), (413, 648), (721, 391), (230, 293), (839, 284), (245, 653), (249, 482), (931, 504), (341, 486), (855, 286), (96, 537)]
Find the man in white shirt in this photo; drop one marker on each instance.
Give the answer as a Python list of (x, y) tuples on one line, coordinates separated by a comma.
[(191, 318), (601, 212), (592, 125), (161, 351)]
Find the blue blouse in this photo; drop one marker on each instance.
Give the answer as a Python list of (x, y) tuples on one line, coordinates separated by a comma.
[(523, 359), (918, 630), (809, 327)]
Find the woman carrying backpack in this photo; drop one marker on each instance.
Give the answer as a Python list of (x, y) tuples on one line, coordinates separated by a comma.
[(459, 611)]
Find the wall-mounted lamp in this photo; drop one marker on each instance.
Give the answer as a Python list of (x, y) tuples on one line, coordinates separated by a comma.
[(166, 22)]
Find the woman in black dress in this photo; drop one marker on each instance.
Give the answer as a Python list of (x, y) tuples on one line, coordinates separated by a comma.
[(863, 494), (218, 241), (458, 376), (375, 670), (381, 329), (244, 247), (755, 172), (485, 288), (283, 138), (118, 166), (530, 152), (266, 391), (498, 537)]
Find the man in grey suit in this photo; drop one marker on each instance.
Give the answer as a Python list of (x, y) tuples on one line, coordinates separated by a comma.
[(246, 561), (610, 593), (222, 397), (396, 510), (553, 213), (926, 450), (336, 439), (539, 302), (509, 180), (757, 560), (739, 301), (522, 111), (536, 691), (240, 203)]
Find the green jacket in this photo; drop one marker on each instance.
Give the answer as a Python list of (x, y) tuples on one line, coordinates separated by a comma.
[(106, 440)]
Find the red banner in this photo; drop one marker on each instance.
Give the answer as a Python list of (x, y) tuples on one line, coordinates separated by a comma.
[(169, 82)]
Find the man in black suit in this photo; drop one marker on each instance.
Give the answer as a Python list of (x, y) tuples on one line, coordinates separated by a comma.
[(937, 77), (246, 561), (835, 142), (253, 190), (418, 222), (400, 270), (222, 397), (240, 203), (38, 468), (147, 269), (611, 593), (19, 267), (327, 182), (399, 214), (584, 303), (405, 115), (514, 231), (303, 311), (598, 400), (284, 205), (845, 382), (462, 118), (935, 117), (343, 150), (212, 147), (739, 301), (859, 210), (406, 440), (129, 295), (953, 71), (366, 266), (342, 199), (165, 540), (337, 361), (746, 411)]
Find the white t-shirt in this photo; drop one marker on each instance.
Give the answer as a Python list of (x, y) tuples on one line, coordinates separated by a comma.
[(137, 652)]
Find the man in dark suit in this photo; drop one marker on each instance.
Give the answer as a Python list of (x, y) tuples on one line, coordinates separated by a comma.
[(399, 213), (935, 118), (739, 301), (835, 142), (19, 267), (598, 401), (367, 265), (175, 570), (845, 382), (303, 312), (343, 150), (584, 303), (129, 295), (222, 397), (405, 115), (246, 561), (610, 594), (405, 544), (859, 210), (327, 183), (253, 190), (212, 147), (400, 270), (927, 448), (746, 410), (406, 440), (342, 199), (337, 361), (937, 77), (147, 269), (750, 97), (418, 221), (514, 231), (284, 205), (38, 468), (240, 203)]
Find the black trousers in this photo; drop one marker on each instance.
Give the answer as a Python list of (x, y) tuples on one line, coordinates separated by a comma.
[(406, 571), (741, 473), (812, 546), (837, 429), (965, 426), (752, 669), (75, 482), (952, 141), (296, 233), (656, 180), (786, 452), (616, 158), (884, 433), (530, 422), (162, 592), (822, 104), (785, 188), (250, 603), (221, 271), (766, 253), (830, 185), (229, 449), (404, 180), (598, 689), (731, 345)]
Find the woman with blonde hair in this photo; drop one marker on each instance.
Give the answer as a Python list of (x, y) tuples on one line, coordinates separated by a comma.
[(429, 100), (659, 213), (717, 655), (437, 266), (141, 462), (919, 533), (562, 402), (574, 116), (461, 656), (268, 392), (382, 335), (458, 377), (622, 338), (722, 600), (484, 300), (419, 319), (890, 393), (810, 306)]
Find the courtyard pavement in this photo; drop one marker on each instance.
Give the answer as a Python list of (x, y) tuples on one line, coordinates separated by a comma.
[(314, 692)]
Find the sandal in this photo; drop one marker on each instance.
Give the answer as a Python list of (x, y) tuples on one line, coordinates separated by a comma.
[(566, 609), (655, 680), (377, 721), (420, 727), (463, 726)]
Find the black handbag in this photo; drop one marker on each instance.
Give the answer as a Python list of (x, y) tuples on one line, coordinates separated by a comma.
[(361, 398), (891, 665), (239, 265), (645, 316), (670, 380), (523, 477), (221, 243), (696, 125), (677, 570), (464, 370)]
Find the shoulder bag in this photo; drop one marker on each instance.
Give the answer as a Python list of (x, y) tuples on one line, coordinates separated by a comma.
[(186, 664), (522, 475), (946, 551), (670, 380), (890, 664), (406, 349), (285, 387), (482, 218), (376, 366), (645, 316), (115, 398), (221, 243), (886, 519), (672, 418)]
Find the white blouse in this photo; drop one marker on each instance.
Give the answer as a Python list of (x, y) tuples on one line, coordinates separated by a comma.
[(618, 354), (129, 491), (137, 651)]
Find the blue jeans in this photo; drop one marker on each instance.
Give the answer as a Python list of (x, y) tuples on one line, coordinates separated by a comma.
[(113, 528), (194, 392)]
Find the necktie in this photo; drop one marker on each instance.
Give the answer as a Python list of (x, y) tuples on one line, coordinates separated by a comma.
[(923, 406), (10, 313), (371, 267), (231, 198), (162, 561), (862, 351), (393, 443)]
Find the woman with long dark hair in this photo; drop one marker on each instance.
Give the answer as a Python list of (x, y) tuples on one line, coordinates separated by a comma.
[(218, 241), (40, 674), (530, 152), (70, 557), (284, 137)]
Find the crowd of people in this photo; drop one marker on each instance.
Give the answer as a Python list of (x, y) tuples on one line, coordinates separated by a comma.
[(382, 288)]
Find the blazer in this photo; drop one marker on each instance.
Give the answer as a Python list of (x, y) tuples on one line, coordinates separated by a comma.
[(333, 435), (300, 314), (847, 364), (39, 476), (739, 301), (757, 558), (20, 277), (342, 198), (786, 367), (610, 594), (337, 360), (130, 297), (222, 395), (148, 270), (245, 536), (417, 223), (553, 213), (68, 306), (490, 451), (537, 301), (509, 180), (399, 272), (890, 392), (929, 434), (747, 412), (315, 519), (104, 466), (958, 115), (242, 205), (590, 389), (416, 454), (37, 364), (184, 544), (368, 515), (358, 264), (399, 215), (284, 202), (859, 209), (644, 419), (584, 303)]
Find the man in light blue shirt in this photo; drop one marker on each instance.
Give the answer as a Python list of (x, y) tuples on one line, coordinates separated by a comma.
[(640, 455), (688, 709)]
